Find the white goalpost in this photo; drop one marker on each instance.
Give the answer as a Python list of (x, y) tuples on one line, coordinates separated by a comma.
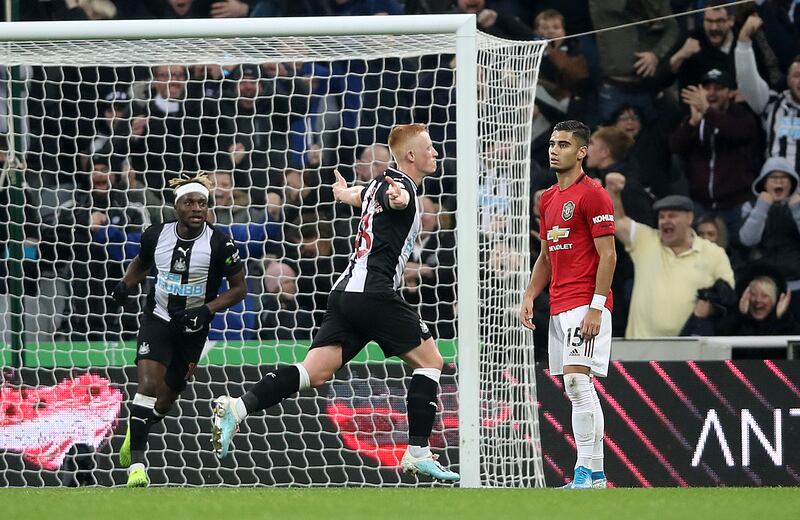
[(101, 114)]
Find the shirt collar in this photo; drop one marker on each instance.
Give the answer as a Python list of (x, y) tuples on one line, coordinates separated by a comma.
[(694, 248)]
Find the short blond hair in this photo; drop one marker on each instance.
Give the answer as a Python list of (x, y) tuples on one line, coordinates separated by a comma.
[(768, 285), (400, 135)]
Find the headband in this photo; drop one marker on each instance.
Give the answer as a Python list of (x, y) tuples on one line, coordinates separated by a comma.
[(192, 187)]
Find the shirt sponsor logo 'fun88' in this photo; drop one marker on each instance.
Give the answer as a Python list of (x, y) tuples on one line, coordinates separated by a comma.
[(171, 284)]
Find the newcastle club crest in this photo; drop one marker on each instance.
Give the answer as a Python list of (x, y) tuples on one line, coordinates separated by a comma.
[(568, 210), (179, 265)]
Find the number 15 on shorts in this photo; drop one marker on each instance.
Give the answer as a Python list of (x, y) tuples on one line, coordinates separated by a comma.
[(575, 339)]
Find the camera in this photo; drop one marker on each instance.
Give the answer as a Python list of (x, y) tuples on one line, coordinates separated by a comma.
[(721, 294)]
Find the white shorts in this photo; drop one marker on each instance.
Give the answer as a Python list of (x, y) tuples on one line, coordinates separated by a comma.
[(566, 346)]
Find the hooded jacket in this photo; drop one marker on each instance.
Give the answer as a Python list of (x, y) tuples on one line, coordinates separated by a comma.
[(773, 229), (775, 164)]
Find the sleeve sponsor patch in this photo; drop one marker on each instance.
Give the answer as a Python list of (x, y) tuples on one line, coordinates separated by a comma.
[(233, 258), (599, 219)]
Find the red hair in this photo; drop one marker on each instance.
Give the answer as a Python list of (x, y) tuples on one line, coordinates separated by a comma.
[(400, 135)]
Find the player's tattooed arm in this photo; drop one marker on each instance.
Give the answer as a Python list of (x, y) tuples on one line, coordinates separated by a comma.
[(341, 193)]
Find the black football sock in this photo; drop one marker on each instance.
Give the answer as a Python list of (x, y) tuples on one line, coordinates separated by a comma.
[(139, 423), (155, 417), (272, 389), (421, 405)]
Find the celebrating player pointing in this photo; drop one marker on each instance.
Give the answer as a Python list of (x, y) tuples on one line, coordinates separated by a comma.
[(578, 259), (365, 305)]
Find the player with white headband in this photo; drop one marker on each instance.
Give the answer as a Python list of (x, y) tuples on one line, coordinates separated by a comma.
[(189, 259)]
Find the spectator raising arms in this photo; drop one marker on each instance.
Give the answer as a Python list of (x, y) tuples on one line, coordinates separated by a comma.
[(719, 142), (780, 111), (671, 264)]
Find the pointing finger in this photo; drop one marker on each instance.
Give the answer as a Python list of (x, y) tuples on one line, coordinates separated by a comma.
[(390, 180), (338, 175)]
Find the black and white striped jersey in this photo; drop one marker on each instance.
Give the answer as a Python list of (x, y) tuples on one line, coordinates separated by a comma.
[(384, 240), (188, 272), (779, 111), (781, 120)]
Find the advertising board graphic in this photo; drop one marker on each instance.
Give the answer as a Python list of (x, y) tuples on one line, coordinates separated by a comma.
[(720, 423)]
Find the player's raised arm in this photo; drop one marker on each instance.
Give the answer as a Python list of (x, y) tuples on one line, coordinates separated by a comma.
[(397, 194), (341, 193), (615, 183), (540, 277)]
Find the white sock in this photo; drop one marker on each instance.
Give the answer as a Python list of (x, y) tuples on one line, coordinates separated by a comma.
[(145, 401), (433, 374), (134, 466), (239, 409), (305, 380), (419, 451), (579, 390), (599, 433)]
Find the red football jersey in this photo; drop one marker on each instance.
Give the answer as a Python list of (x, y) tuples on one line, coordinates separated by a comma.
[(570, 221)]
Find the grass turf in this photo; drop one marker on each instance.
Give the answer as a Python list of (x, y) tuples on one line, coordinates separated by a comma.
[(406, 504)]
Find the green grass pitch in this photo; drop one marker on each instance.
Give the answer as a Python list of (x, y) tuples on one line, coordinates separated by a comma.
[(405, 504)]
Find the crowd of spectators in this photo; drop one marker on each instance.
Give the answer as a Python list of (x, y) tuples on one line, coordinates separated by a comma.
[(696, 129), (696, 122)]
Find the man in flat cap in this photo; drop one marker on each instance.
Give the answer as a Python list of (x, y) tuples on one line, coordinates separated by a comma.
[(671, 264)]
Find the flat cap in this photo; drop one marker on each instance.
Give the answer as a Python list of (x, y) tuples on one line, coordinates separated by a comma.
[(678, 202)]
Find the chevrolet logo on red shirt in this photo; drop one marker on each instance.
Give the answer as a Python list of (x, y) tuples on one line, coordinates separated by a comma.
[(556, 233)]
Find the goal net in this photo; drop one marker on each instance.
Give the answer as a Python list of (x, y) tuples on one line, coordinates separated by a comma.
[(97, 118)]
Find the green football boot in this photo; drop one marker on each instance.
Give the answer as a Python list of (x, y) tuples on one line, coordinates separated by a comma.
[(125, 449)]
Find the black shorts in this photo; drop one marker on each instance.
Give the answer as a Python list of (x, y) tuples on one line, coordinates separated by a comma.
[(177, 351), (354, 319)]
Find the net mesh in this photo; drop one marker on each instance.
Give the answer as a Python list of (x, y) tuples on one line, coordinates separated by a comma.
[(102, 126), (509, 437)]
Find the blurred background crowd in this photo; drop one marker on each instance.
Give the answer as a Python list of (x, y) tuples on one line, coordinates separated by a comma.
[(700, 113)]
